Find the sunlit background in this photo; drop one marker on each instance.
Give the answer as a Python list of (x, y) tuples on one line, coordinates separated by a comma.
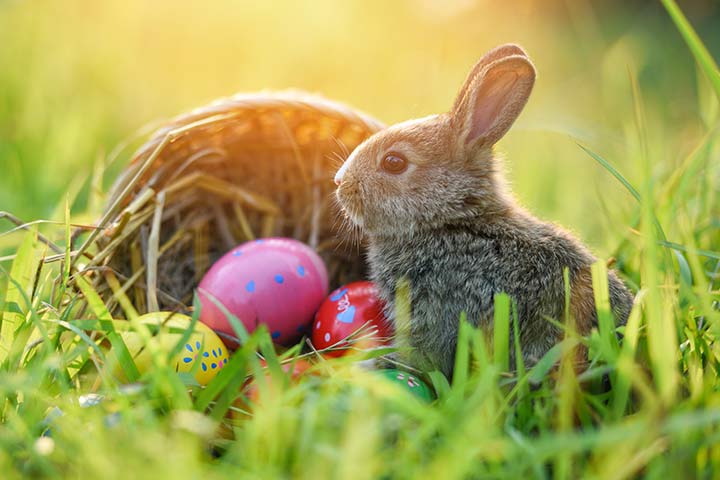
[(77, 78)]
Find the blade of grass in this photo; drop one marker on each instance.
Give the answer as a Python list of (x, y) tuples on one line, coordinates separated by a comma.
[(694, 251), (522, 387), (122, 354), (613, 171), (462, 353), (621, 390), (238, 327), (501, 332), (65, 275), (27, 332), (229, 379), (606, 322), (439, 383), (695, 44), (22, 275), (540, 370)]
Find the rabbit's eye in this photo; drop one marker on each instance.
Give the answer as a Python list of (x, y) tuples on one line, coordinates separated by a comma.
[(394, 163)]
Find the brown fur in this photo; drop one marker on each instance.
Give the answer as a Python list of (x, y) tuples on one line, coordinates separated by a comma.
[(582, 311), (582, 302)]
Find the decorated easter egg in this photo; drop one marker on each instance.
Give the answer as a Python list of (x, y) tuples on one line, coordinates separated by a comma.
[(203, 353), (408, 382), (355, 311), (279, 282)]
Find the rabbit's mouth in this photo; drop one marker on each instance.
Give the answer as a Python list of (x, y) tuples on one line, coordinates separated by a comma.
[(351, 204)]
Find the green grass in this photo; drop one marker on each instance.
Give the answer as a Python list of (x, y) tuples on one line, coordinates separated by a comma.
[(643, 188)]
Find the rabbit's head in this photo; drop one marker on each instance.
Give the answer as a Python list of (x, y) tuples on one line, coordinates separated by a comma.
[(439, 170)]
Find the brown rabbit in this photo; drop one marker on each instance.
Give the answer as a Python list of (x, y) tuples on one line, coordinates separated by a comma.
[(431, 199)]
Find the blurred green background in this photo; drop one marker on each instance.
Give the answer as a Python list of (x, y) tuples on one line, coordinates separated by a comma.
[(78, 77)]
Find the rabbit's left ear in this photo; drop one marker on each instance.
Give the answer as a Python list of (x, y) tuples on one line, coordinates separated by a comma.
[(491, 99)]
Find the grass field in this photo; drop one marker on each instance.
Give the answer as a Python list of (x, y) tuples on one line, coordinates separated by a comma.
[(620, 142)]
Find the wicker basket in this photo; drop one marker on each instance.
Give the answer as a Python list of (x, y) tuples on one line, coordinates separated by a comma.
[(243, 167)]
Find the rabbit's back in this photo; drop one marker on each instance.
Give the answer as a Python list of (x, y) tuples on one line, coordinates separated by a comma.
[(461, 269)]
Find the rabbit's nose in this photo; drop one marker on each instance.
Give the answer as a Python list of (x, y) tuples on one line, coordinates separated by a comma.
[(341, 173), (339, 176)]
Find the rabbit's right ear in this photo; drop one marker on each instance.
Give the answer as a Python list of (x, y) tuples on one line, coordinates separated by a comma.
[(492, 98), (495, 54)]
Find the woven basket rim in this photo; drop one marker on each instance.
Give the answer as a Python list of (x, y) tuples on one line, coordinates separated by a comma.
[(247, 102), (267, 99)]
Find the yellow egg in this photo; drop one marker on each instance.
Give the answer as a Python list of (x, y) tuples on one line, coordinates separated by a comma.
[(202, 353)]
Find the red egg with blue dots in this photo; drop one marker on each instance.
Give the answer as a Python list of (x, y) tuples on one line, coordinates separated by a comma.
[(279, 282), (352, 310)]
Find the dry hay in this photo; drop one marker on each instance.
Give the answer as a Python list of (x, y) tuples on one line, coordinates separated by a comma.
[(244, 167)]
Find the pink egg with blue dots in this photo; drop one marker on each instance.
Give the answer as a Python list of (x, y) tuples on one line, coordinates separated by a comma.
[(278, 282)]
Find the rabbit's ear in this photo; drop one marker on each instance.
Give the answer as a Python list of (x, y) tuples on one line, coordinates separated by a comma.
[(491, 100), (495, 54)]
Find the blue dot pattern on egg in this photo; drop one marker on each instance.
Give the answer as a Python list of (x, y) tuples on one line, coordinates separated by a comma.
[(190, 349), (279, 278), (216, 353), (339, 295), (250, 287), (301, 270), (275, 335), (237, 253)]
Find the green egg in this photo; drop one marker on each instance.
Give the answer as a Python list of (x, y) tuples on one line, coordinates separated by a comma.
[(410, 382)]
